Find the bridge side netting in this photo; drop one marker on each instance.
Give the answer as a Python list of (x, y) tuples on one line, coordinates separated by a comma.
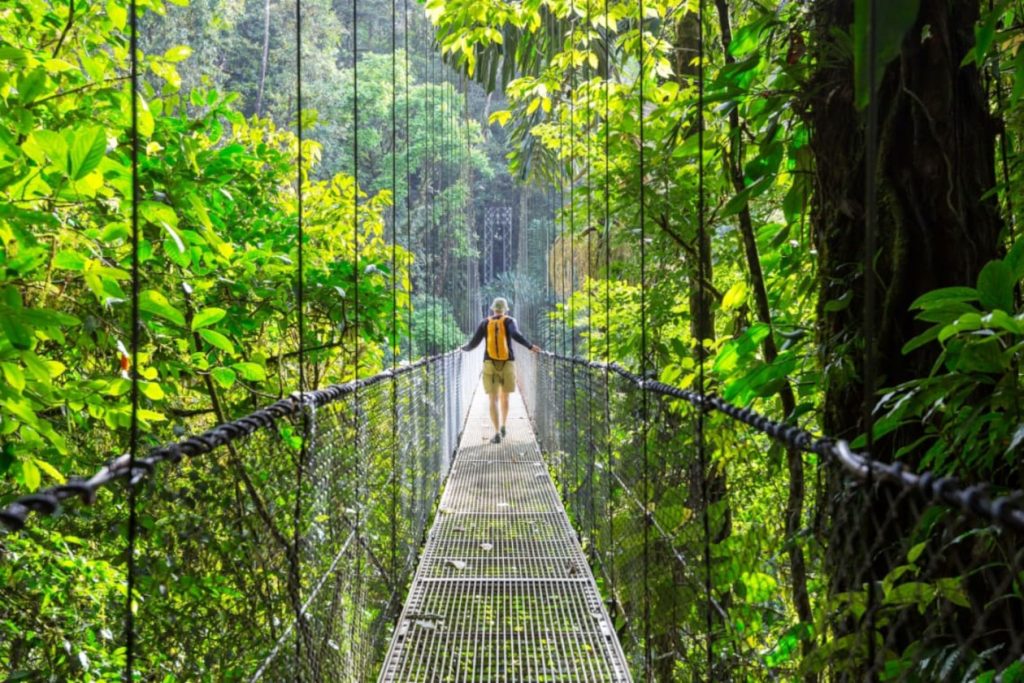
[(242, 575), (906, 579)]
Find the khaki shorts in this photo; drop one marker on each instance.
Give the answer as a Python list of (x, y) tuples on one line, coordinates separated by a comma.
[(500, 374)]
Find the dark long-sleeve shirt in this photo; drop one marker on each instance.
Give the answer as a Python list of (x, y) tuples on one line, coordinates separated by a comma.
[(511, 331)]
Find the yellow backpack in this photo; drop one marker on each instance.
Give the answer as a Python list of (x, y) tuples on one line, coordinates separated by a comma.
[(497, 341)]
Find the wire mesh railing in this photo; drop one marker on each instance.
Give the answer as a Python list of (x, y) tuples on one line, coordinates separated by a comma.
[(246, 571), (902, 577)]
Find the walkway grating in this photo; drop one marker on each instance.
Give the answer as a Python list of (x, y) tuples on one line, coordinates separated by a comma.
[(503, 592)]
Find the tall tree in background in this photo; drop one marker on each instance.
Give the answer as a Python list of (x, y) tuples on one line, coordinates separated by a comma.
[(938, 224)]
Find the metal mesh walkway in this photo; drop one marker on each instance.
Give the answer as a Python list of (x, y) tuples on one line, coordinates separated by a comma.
[(503, 591)]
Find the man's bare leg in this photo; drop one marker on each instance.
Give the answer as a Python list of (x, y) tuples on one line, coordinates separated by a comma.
[(504, 407), (494, 411)]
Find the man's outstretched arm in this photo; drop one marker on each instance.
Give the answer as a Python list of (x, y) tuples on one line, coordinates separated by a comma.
[(513, 331), (478, 336)]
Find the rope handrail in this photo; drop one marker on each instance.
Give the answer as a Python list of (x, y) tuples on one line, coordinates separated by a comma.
[(47, 501), (974, 499)]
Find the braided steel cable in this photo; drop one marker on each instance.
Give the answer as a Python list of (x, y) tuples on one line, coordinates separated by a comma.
[(47, 501), (977, 500)]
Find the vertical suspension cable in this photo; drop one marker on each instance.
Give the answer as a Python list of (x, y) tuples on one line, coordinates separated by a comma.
[(408, 171), (870, 247), (572, 264), (591, 450), (394, 296), (356, 267), (643, 363), (608, 293), (561, 236), (702, 316), (430, 249), (135, 338), (300, 294)]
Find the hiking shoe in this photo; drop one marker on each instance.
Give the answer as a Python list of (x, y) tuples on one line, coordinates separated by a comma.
[(503, 431), (496, 439)]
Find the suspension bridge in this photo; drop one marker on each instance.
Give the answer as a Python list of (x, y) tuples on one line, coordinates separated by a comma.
[(503, 588), (370, 531)]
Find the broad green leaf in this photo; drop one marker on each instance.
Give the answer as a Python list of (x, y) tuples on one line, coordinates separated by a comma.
[(17, 333), (36, 367), (21, 409), (117, 13), (945, 294), (207, 317), (13, 376), (53, 145), (735, 297), (69, 260), (501, 117), (50, 470), (217, 340), (995, 286), (178, 53), (152, 301), (88, 147), (159, 214), (252, 372), (225, 377), (30, 475), (152, 390)]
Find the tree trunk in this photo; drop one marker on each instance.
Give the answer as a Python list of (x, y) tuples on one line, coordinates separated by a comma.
[(787, 401), (708, 485), (936, 229)]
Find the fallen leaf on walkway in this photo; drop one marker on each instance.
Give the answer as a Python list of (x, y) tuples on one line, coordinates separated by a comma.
[(457, 564), (487, 546)]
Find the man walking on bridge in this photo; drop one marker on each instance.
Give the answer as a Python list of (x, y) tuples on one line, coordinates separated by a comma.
[(499, 360)]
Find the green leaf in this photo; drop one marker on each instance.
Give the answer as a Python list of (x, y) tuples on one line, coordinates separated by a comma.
[(88, 147), (225, 377), (207, 317), (17, 334), (50, 470), (36, 367), (21, 409), (995, 286), (840, 304), (117, 13), (252, 372), (152, 390), (152, 301), (13, 376), (159, 214), (30, 475), (958, 294), (218, 340), (895, 18), (735, 297), (178, 53), (53, 145), (69, 260)]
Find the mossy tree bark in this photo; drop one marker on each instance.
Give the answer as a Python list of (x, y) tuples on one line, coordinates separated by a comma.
[(936, 228)]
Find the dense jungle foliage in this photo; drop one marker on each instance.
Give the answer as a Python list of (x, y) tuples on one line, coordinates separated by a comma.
[(558, 85), (604, 102)]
